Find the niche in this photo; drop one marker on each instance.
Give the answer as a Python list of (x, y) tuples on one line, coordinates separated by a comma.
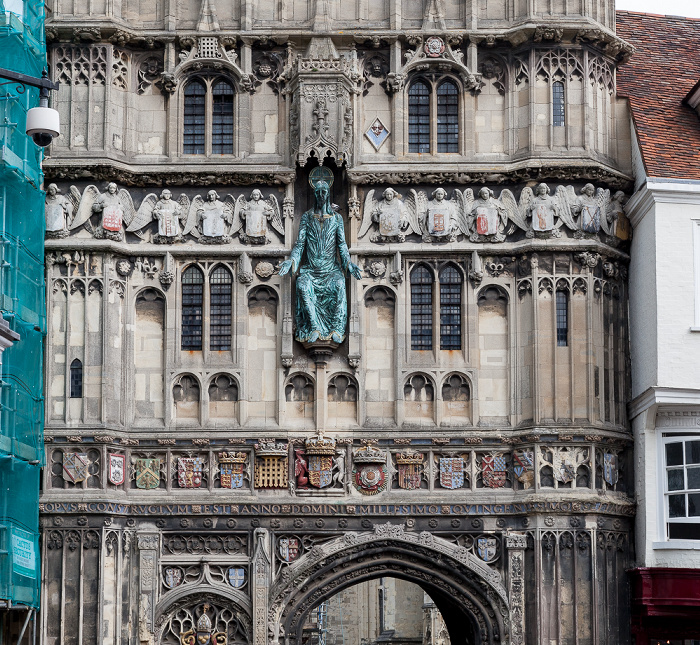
[(223, 397), (186, 398), (342, 401), (299, 394), (456, 401), (419, 400), (493, 356), (149, 355)]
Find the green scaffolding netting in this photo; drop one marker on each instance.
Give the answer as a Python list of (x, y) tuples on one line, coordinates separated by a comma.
[(19, 531)]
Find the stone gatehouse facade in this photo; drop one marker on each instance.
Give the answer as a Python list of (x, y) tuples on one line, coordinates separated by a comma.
[(207, 475)]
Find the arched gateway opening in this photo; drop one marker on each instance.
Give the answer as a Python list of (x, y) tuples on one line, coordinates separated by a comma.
[(469, 595)]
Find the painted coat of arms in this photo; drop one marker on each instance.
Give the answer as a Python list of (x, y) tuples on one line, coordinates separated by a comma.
[(563, 467), (487, 548), (231, 467), (451, 472), (289, 548), (189, 472), (410, 467), (486, 220), (172, 577), (117, 469), (320, 453), (610, 471), (236, 577), (524, 467), (369, 470), (493, 470), (147, 473), (75, 466)]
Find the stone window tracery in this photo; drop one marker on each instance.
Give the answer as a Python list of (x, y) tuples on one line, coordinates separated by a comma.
[(208, 117), (433, 116)]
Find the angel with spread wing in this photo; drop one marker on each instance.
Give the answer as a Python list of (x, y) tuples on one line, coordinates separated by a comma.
[(59, 210), (252, 216), (443, 219), (547, 212), (488, 216), (390, 215), (212, 218), (115, 207), (175, 218), (618, 224), (590, 208)]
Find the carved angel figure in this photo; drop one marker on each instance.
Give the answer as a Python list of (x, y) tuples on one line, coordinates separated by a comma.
[(175, 218), (546, 212), (252, 216), (213, 218), (488, 216), (588, 207), (59, 210), (616, 218), (115, 207), (389, 214), (441, 218)]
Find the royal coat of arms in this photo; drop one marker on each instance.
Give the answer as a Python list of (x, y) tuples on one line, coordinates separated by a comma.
[(289, 548), (610, 472), (524, 467), (189, 472), (369, 470), (320, 453), (117, 469), (75, 466), (231, 467), (410, 467), (451, 472), (493, 470), (236, 577), (147, 473), (563, 467), (172, 577), (487, 548)]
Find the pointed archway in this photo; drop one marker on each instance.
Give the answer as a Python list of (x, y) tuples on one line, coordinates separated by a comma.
[(469, 594)]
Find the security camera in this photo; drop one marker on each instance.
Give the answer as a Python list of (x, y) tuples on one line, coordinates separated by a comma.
[(43, 123)]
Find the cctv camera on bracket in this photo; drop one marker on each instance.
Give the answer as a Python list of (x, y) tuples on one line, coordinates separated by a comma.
[(43, 123)]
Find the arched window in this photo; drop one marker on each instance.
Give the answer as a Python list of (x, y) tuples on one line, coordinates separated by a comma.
[(76, 379), (220, 291), (562, 319), (447, 117), (419, 117), (558, 104), (192, 299), (195, 118), (208, 117), (421, 309), (450, 308), (222, 119)]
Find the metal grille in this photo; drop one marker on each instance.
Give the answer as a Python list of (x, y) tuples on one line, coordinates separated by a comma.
[(448, 117), (558, 104), (562, 319), (450, 309), (194, 121), (419, 118), (192, 297), (222, 119), (76, 379), (421, 309), (220, 289)]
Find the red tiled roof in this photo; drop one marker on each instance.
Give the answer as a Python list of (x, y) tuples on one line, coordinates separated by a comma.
[(665, 67)]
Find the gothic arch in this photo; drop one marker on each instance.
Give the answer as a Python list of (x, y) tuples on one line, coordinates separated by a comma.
[(468, 593)]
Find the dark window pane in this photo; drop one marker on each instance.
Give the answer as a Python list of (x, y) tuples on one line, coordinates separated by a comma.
[(450, 309), (676, 505), (692, 452), (419, 118), (194, 120), (76, 379), (222, 119), (674, 454), (694, 505), (220, 289), (448, 117), (558, 104), (421, 309), (562, 319), (684, 531), (675, 479), (693, 478), (192, 298)]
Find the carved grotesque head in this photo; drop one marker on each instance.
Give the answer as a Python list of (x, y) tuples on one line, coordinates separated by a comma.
[(256, 195), (439, 194), (111, 188), (212, 196), (166, 195)]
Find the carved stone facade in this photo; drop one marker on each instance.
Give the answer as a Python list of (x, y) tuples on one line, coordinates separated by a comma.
[(470, 433)]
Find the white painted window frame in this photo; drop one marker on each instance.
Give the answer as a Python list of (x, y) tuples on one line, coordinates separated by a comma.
[(696, 273), (664, 519)]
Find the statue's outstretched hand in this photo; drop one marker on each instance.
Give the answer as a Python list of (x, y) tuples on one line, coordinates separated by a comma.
[(355, 271), (285, 267)]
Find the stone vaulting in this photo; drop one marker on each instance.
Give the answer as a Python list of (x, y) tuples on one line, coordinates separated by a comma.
[(210, 476)]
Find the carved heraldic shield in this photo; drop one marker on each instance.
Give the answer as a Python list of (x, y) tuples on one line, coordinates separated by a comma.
[(189, 472), (320, 452), (75, 466), (117, 469), (410, 467), (493, 470), (231, 467), (451, 472), (147, 473)]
